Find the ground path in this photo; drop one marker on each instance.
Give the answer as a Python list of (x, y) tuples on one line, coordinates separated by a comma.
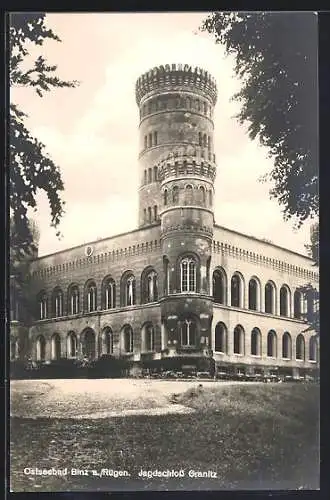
[(98, 398)]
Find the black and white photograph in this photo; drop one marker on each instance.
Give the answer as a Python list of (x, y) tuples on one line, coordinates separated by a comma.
[(164, 251)]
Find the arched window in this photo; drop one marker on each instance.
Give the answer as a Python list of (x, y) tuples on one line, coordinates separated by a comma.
[(188, 332), (55, 347), (149, 107), (253, 294), (204, 140), (149, 175), (202, 195), (71, 345), (188, 275), (256, 342), (188, 195), (129, 290), (145, 142), (219, 287), (270, 298), (149, 215), (209, 142), (200, 139), (220, 338), (42, 301), (107, 341), (165, 197), (286, 346), (109, 294), (284, 301), (300, 347), (149, 282), (271, 344), (150, 140), (73, 299), (313, 349), (210, 198), (90, 296), (128, 338), (57, 303), (155, 212), (145, 215), (205, 107), (297, 309), (155, 138), (41, 348), (197, 105), (188, 103), (148, 338), (155, 174), (236, 291), (175, 194), (239, 340), (88, 343), (145, 176)]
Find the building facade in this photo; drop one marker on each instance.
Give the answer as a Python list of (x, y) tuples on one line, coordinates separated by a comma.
[(179, 290)]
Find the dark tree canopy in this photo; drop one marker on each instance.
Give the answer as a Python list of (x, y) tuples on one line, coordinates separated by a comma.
[(30, 168), (276, 61)]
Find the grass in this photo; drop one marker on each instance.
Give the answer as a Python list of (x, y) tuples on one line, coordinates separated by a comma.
[(260, 436)]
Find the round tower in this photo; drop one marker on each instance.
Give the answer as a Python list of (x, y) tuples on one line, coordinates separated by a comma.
[(177, 172), (176, 108)]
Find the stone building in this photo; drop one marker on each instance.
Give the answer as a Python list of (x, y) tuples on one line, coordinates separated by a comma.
[(180, 290)]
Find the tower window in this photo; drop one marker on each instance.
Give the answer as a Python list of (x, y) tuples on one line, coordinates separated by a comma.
[(145, 142), (149, 175), (188, 333), (209, 142), (155, 138), (155, 174), (188, 275), (205, 107), (189, 195), (145, 177), (204, 141), (149, 215), (165, 197), (145, 215), (175, 194), (200, 142), (150, 140), (202, 195), (155, 212)]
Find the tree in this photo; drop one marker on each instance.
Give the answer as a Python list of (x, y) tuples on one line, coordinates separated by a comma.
[(30, 168), (276, 61)]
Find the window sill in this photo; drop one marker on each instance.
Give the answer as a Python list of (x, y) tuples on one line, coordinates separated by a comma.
[(256, 356)]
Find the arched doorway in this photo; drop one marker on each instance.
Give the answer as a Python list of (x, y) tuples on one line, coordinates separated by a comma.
[(56, 347), (88, 343)]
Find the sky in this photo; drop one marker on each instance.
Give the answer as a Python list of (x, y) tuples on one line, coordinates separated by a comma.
[(91, 131)]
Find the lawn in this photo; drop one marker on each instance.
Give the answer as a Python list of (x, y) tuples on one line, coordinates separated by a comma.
[(258, 436)]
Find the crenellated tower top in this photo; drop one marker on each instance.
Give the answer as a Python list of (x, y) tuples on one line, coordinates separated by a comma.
[(175, 77)]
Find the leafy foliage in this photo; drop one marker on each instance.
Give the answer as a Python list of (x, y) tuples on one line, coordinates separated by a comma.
[(30, 168), (276, 61)]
